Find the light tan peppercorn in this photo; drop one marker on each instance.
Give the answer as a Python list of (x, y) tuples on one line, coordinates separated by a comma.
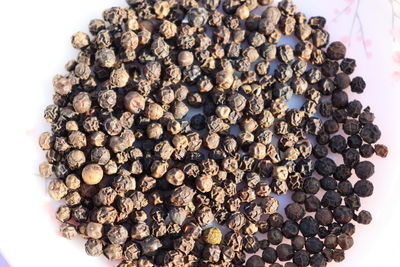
[(46, 141), (57, 189), (180, 142), (46, 169), (92, 174), (153, 111), (258, 150), (185, 58), (82, 102), (242, 12), (62, 85), (158, 168), (77, 139), (162, 9), (71, 126), (204, 183), (94, 230), (212, 236), (175, 176), (97, 139), (168, 29), (280, 173), (75, 159), (134, 102), (72, 182), (119, 77), (80, 40), (224, 79)]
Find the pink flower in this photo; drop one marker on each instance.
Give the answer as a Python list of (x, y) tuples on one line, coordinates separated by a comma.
[(396, 57), (347, 10), (395, 32), (396, 76), (345, 39)]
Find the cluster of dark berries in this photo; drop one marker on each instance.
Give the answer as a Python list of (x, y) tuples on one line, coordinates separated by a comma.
[(147, 184)]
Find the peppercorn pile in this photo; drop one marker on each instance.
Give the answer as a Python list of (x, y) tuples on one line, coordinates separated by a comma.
[(148, 184)]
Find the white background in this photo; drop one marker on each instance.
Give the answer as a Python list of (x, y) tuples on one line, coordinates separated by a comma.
[(34, 46)]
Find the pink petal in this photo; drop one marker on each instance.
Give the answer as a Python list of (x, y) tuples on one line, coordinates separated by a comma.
[(368, 43), (369, 55), (345, 39), (396, 57), (396, 76)]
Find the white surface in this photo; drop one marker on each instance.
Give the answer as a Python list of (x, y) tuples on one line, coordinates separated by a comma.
[(35, 46)]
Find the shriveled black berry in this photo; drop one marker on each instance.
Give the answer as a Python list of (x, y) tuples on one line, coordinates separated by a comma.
[(318, 260), (314, 245), (348, 65), (285, 252), (345, 188), (337, 144), (325, 166), (351, 157), (348, 229), (275, 220), (364, 169), (320, 151), (345, 241), (364, 217), (312, 203), (324, 216), (275, 236), (354, 108), (295, 211), (353, 202), (354, 141), (269, 255), (331, 126), (351, 127), (290, 229), (299, 197), (301, 258), (308, 226), (342, 214), (363, 188), (366, 151), (311, 185), (328, 183), (342, 172), (358, 85), (339, 115), (298, 242), (331, 199), (370, 133), (340, 99)]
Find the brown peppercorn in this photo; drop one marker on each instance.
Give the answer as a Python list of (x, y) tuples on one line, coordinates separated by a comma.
[(92, 174)]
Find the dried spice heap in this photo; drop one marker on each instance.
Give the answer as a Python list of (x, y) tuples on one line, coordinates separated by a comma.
[(143, 180)]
